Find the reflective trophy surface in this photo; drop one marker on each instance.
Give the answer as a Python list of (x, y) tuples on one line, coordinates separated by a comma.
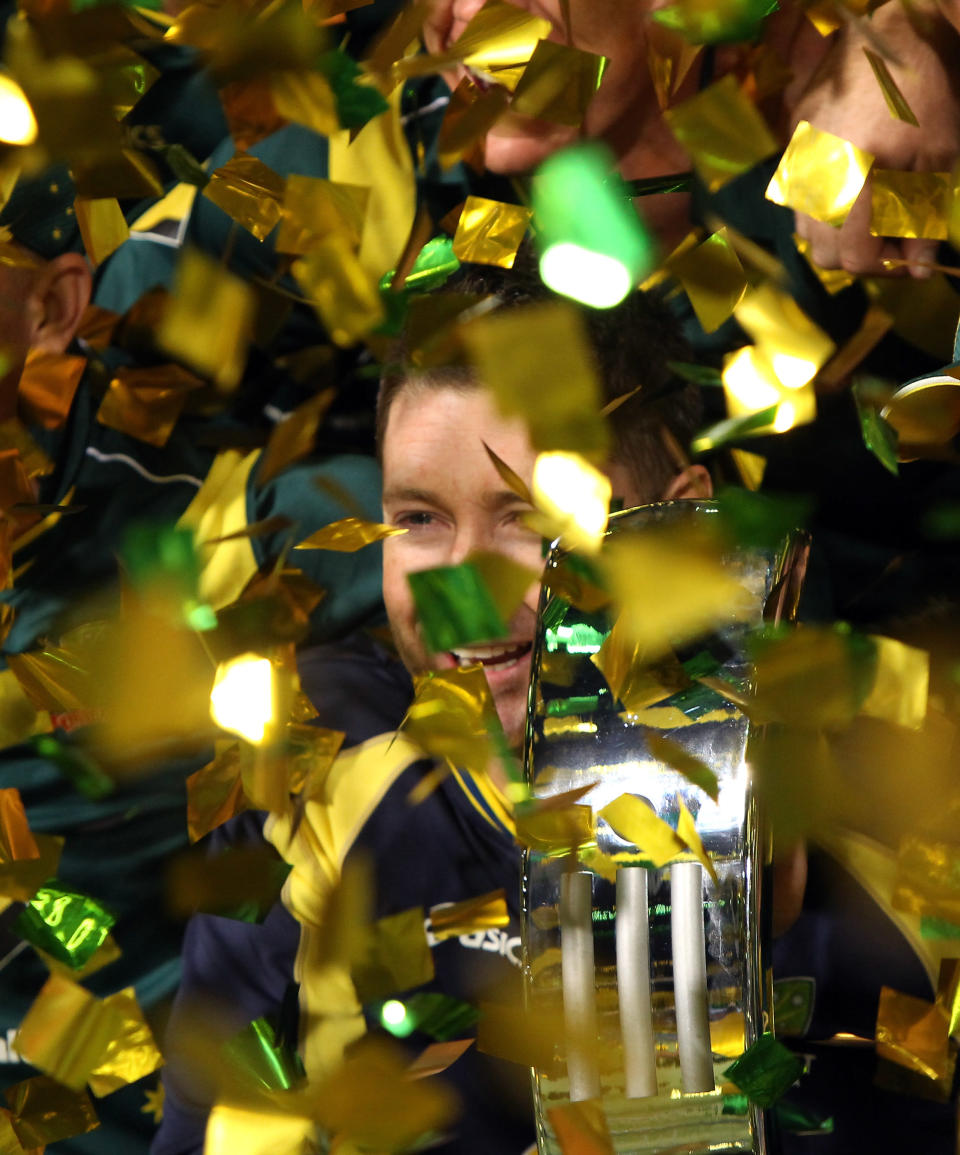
[(658, 974)]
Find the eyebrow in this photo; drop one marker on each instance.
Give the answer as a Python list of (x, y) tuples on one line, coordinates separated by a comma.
[(501, 499)]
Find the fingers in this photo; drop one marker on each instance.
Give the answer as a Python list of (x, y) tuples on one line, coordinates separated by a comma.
[(851, 247)]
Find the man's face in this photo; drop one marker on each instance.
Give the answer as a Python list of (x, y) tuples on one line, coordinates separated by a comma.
[(440, 486)]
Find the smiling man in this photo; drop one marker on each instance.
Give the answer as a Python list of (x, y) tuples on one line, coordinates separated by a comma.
[(458, 842)]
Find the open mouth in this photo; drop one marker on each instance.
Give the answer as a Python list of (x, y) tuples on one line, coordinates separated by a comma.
[(492, 657)]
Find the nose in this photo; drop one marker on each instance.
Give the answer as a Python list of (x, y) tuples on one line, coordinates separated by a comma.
[(467, 540)]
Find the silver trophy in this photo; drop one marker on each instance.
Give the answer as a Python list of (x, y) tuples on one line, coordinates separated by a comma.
[(661, 973)]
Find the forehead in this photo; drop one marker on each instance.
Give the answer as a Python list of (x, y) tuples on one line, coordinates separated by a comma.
[(437, 427)]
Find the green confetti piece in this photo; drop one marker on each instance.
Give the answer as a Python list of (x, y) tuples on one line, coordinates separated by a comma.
[(76, 766), (582, 704), (759, 520), (432, 1013), (258, 1056), (723, 23), (943, 521), (161, 555), (735, 1105), (938, 928), (801, 1121), (732, 429), (653, 185), (435, 264), (696, 374), (765, 1070), (879, 436), (395, 309), (702, 665), (185, 166), (357, 102), (455, 607), (68, 926)]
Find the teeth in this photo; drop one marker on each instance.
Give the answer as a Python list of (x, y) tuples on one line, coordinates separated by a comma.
[(489, 655)]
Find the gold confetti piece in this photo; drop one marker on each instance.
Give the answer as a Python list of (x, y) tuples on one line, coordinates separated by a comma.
[(215, 793), (147, 403), (875, 325), (825, 16), (681, 572), (792, 343), (348, 535), (924, 413), (340, 289), (395, 39), (511, 477), (948, 993), (926, 879), (131, 1053), (103, 227), (436, 1058), (311, 754), (728, 1035), (208, 321), (489, 232), (54, 678), (819, 174), (499, 40), (66, 1032), (249, 193), (899, 693), (396, 957), (107, 952), (713, 279), (680, 759), (636, 682), (251, 875), (555, 830), (292, 439), (305, 98), (896, 101), (833, 280), (574, 498), (45, 1111), (909, 204), (523, 1035), (722, 131), (752, 390), (314, 208), (558, 83), (21, 879), (687, 830), (581, 1128), (47, 386), (912, 1033), (469, 117), (156, 680), (124, 174), (514, 351), (372, 1103), (236, 1130), (670, 56), (634, 821), (153, 1104), (452, 716), (452, 919), (14, 435), (16, 840)]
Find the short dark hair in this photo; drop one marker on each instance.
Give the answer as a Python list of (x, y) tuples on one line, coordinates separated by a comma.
[(633, 344)]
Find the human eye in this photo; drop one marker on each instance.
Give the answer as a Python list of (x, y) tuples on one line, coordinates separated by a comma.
[(414, 519)]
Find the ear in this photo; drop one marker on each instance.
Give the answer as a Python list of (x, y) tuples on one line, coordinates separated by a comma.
[(691, 482), (59, 298)]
